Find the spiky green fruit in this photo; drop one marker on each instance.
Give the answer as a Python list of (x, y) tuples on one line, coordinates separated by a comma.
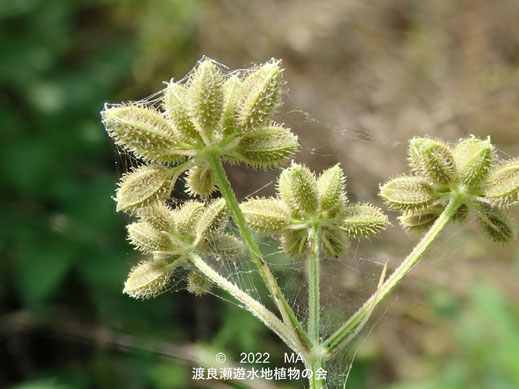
[(502, 184), (142, 131), (175, 105), (419, 221), (224, 246), (187, 217), (213, 219), (148, 279), (433, 160), (159, 215), (260, 95), (331, 186), (267, 147), (200, 181), (295, 242), (497, 226), (198, 284), (143, 186), (269, 216), (298, 189), (363, 220), (206, 95), (407, 193), (146, 238), (232, 94), (474, 158), (334, 241)]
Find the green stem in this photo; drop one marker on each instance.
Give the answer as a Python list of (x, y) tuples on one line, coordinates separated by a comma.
[(286, 311), (314, 304), (342, 336), (313, 381), (254, 306)]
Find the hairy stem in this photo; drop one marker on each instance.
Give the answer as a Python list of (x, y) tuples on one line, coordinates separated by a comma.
[(337, 341), (314, 303), (254, 306), (286, 311), (314, 381)]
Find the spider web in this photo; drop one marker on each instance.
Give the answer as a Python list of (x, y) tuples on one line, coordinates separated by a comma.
[(346, 282)]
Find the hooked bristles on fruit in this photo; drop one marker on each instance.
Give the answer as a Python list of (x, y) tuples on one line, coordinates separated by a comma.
[(433, 160), (502, 184), (306, 202), (142, 187), (474, 158), (149, 279), (206, 96), (146, 238), (210, 114), (269, 216), (267, 146), (200, 181), (261, 91), (142, 131), (363, 220), (407, 193), (466, 172), (496, 224), (198, 284), (297, 187), (213, 219), (331, 186)]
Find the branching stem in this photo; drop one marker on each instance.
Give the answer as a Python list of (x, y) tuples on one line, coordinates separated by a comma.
[(288, 315), (254, 306), (336, 342)]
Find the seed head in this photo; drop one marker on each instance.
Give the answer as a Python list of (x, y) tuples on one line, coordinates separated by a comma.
[(421, 220), (407, 193), (142, 187), (198, 284), (142, 131), (474, 158), (146, 238), (223, 246), (467, 174), (159, 215), (269, 216), (232, 94), (305, 203), (497, 226), (213, 219), (297, 186), (266, 147), (206, 95), (200, 181), (148, 279), (433, 160), (175, 106), (363, 220), (502, 184), (260, 95), (331, 186), (335, 241), (187, 217)]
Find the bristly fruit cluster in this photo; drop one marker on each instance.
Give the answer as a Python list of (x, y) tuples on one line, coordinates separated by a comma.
[(468, 170), (307, 202), (228, 116), (169, 236)]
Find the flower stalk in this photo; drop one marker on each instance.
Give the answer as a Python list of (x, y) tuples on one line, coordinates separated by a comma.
[(336, 341), (288, 315)]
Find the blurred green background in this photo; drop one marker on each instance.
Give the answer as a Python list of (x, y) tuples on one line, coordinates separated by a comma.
[(363, 77)]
